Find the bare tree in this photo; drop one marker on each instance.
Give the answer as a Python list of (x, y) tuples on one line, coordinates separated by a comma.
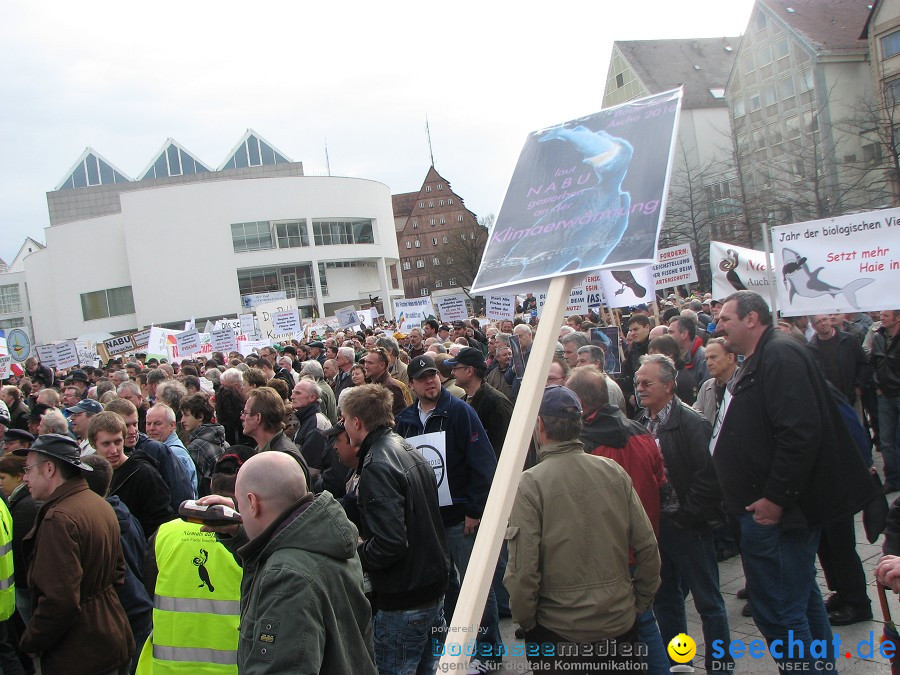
[(465, 248)]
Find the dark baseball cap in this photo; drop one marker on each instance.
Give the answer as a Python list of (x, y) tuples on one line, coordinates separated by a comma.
[(37, 411), (88, 405), (468, 356), (420, 366), (58, 447), (77, 376), (19, 435), (337, 429), (560, 402)]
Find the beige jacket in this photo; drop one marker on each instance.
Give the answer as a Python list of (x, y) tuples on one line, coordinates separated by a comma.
[(573, 521)]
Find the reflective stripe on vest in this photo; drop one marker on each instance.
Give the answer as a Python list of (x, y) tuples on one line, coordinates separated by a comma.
[(195, 655), (170, 604), (196, 609), (7, 580)]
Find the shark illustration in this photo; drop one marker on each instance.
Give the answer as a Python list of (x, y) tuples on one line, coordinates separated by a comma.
[(798, 280)]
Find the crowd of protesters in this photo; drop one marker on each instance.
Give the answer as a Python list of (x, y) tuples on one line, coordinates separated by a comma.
[(723, 430)]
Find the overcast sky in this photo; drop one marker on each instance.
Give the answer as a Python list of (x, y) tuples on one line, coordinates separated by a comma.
[(123, 77)]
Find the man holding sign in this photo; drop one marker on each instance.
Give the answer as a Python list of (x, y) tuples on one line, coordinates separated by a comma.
[(403, 548), (468, 465)]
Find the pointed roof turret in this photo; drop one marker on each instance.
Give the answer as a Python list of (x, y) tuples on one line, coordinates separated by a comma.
[(253, 150), (173, 160), (92, 169)]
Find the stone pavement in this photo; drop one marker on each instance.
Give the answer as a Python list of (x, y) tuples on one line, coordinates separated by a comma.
[(731, 577)]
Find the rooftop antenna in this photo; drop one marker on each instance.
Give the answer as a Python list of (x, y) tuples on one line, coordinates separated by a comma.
[(428, 134), (327, 162)]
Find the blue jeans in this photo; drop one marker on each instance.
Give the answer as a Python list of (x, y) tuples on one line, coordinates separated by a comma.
[(889, 438), (403, 639), (648, 634), (489, 641), (500, 591), (689, 564), (780, 569)]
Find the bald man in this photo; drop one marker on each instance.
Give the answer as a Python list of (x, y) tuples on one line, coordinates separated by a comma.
[(302, 576)]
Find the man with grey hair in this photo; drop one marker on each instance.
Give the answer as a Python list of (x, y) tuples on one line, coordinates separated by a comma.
[(131, 391), (690, 509), (592, 355), (161, 428), (571, 343), (233, 378), (327, 401), (53, 422), (308, 420), (396, 367), (344, 361)]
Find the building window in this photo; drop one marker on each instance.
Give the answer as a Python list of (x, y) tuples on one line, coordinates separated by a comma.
[(453, 281), (463, 236), (421, 205), (430, 205), (782, 48), (431, 221), (807, 80), (408, 244), (787, 88), (418, 243), (406, 265), (103, 304), (872, 153), (459, 219), (292, 234), (754, 102), (295, 280), (434, 241), (415, 224), (768, 95), (435, 261), (761, 22), (620, 80), (449, 202), (420, 264), (441, 202), (765, 55), (438, 284), (440, 186), (424, 291), (446, 240), (10, 301), (739, 110), (427, 188), (330, 232), (251, 236), (443, 221), (890, 45)]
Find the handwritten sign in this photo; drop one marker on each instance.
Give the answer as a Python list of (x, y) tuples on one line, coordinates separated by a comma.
[(188, 342)]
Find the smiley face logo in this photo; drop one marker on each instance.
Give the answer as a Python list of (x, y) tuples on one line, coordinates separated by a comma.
[(682, 648)]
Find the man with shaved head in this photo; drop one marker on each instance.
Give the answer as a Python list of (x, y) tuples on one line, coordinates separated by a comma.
[(302, 576)]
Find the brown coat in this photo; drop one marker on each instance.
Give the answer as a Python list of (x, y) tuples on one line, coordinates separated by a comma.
[(75, 561)]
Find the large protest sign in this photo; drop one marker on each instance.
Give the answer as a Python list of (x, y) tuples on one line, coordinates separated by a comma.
[(452, 308), (188, 342), (119, 345), (674, 266), (159, 341), (735, 268), (347, 317), (585, 195), (411, 313), (845, 264), (264, 316), (624, 288), (66, 354), (47, 355), (223, 340)]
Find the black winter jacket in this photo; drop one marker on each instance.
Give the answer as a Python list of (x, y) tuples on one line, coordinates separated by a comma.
[(886, 361), (684, 442), (404, 549), (783, 439), (854, 366)]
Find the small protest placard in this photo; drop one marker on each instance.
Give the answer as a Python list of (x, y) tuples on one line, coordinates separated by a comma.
[(66, 354), (188, 342), (223, 340)]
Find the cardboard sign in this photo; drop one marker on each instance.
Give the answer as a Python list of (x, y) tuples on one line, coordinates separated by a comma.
[(158, 342), (253, 299), (119, 345), (452, 308), (433, 447), (674, 267), (247, 325), (586, 194), (87, 353), (264, 315), (624, 288), (347, 317), (501, 307), (141, 339), (223, 340), (411, 313), (735, 268), (247, 347), (287, 322), (5, 362), (838, 265), (66, 355), (188, 342), (47, 355)]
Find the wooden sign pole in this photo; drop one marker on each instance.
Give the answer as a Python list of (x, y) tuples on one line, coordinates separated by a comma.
[(491, 531)]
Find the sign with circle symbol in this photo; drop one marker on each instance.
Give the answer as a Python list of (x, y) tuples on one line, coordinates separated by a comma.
[(433, 448), (19, 344)]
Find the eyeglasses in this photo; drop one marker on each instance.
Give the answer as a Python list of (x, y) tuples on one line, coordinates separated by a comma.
[(29, 467), (247, 413), (643, 383), (556, 379), (458, 367)]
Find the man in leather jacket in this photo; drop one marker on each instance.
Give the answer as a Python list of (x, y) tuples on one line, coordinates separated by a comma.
[(403, 548)]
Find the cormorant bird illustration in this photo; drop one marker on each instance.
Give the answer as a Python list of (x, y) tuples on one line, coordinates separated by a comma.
[(729, 265), (200, 562), (798, 280), (626, 278)]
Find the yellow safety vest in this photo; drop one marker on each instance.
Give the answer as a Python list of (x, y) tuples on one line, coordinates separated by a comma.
[(197, 606), (7, 581)]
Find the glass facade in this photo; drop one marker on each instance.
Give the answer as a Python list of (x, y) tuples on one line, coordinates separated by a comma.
[(347, 231), (10, 301), (256, 236), (254, 152), (91, 171), (107, 303), (174, 161)]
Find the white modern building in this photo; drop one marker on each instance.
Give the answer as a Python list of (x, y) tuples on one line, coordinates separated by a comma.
[(186, 242)]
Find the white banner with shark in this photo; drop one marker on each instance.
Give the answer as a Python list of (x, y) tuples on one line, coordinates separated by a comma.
[(735, 268), (845, 264)]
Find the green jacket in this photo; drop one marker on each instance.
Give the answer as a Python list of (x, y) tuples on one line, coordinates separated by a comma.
[(573, 521), (303, 609)]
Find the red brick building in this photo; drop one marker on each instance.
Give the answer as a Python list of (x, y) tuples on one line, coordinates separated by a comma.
[(428, 223)]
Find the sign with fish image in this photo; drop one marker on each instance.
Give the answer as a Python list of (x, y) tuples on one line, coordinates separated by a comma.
[(845, 264), (735, 268), (587, 194)]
